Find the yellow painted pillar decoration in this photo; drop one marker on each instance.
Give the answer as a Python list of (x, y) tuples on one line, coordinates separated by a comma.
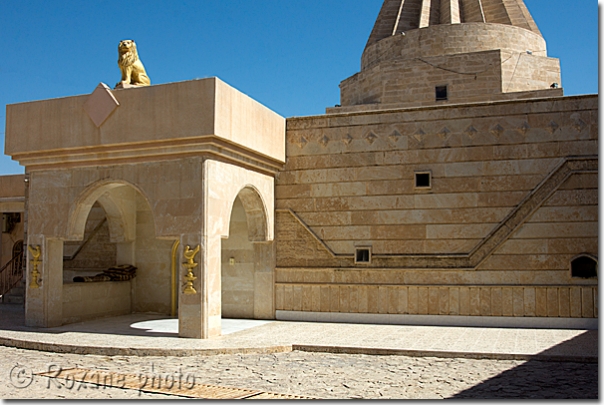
[(190, 265), (35, 253)]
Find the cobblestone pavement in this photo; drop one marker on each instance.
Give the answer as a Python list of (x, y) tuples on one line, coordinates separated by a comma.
[(321, 375)]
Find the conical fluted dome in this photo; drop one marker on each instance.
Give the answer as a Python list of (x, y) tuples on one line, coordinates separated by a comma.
[(397, 16)]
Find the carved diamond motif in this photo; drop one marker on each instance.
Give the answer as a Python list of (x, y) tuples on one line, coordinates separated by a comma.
[(497, 130), (100, 104), (371, 137), (395, 136), (444, 133), (302, 141), (324, 140), (419, 135), (522, 129), (577, 123), (471, 132), (552, 127), (347, 139)]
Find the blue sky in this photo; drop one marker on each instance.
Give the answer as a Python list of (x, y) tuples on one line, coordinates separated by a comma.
[(289, 55)]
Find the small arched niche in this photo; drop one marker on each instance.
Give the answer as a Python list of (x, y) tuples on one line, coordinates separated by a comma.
[(584, 266)]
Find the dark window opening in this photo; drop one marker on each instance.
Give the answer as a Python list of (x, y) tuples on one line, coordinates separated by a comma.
[(363, 256), (584, 267), (441, 93), (422, 180)]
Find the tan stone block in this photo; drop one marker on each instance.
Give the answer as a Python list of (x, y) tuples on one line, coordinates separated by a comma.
[(393, 299), (474, 295), (540, 301), (403, 303), (279, 297), (306, 297), (443, 300), (334, 298), (422, 300), (372, 299), (344, 298), (362, 297), (288, 297), (552, 301), (315, 298), (297, 298), (354, 299), (575, 302), (496, 301), (383, 299), (529, 301), (518, 301), (325, 299), (564, 302), (454, 301), (413, 300), (464, 301), (433, 295), (587, 302), (485, 301)]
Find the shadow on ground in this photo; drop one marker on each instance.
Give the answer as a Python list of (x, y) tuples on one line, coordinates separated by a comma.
[(534, 379)]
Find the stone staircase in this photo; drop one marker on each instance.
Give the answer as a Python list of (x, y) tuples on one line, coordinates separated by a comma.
[(16, 295)]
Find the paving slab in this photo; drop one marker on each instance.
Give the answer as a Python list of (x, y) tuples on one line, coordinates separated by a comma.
[(156, 335)]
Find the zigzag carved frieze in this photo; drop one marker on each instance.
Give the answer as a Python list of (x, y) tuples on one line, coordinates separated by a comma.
[(489, 244)]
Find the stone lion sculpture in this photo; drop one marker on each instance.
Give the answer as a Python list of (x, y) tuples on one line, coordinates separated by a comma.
[(133, 71)]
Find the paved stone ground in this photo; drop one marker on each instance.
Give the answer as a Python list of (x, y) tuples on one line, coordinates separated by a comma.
[(322, 375)]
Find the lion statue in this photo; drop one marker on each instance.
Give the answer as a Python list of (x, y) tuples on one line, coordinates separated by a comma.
[(133, 71)]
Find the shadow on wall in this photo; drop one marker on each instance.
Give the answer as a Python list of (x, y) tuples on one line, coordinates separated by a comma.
[(534, 379)]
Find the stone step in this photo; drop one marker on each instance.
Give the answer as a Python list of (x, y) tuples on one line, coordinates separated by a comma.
[(13, 299)]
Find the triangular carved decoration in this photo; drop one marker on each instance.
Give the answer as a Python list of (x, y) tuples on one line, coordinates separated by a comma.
[(347, 139), (523, 129), (395, 136), (370, 137), (444, 133), (497, 130), (552, 127), (419, 135), (577, 123), (471, 132), (324, 140)]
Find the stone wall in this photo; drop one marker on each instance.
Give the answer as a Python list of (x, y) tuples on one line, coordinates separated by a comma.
[(513, 199), (83, 301)]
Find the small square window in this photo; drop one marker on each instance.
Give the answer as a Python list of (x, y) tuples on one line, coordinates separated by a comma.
[(362, 255), (441, 93), (423, 180)]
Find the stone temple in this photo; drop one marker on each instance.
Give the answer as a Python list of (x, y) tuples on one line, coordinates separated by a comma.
[(453, 185)]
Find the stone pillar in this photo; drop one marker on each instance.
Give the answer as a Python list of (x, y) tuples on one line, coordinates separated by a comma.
[(192, 308), (44, 305)]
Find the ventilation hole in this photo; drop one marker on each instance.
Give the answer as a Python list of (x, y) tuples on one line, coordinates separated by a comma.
[(363, 255), (441, 93), (423, 180), (584, 267)]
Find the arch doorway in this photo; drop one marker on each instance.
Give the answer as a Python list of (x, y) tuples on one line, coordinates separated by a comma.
[(246, 261)]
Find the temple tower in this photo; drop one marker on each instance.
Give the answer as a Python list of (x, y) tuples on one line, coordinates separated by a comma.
[(427, 52)]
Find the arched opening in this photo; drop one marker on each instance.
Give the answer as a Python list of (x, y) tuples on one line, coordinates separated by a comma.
[(584, 266), (17, 255), (111, 231), (246, 270)]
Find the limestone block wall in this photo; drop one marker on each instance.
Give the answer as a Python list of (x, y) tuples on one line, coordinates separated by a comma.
[(513, 198), (83, 301)]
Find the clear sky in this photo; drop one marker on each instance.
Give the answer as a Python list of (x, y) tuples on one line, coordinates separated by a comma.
[(290, 55)]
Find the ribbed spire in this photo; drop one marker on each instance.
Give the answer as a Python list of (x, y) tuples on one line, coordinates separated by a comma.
[(397, 16)]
